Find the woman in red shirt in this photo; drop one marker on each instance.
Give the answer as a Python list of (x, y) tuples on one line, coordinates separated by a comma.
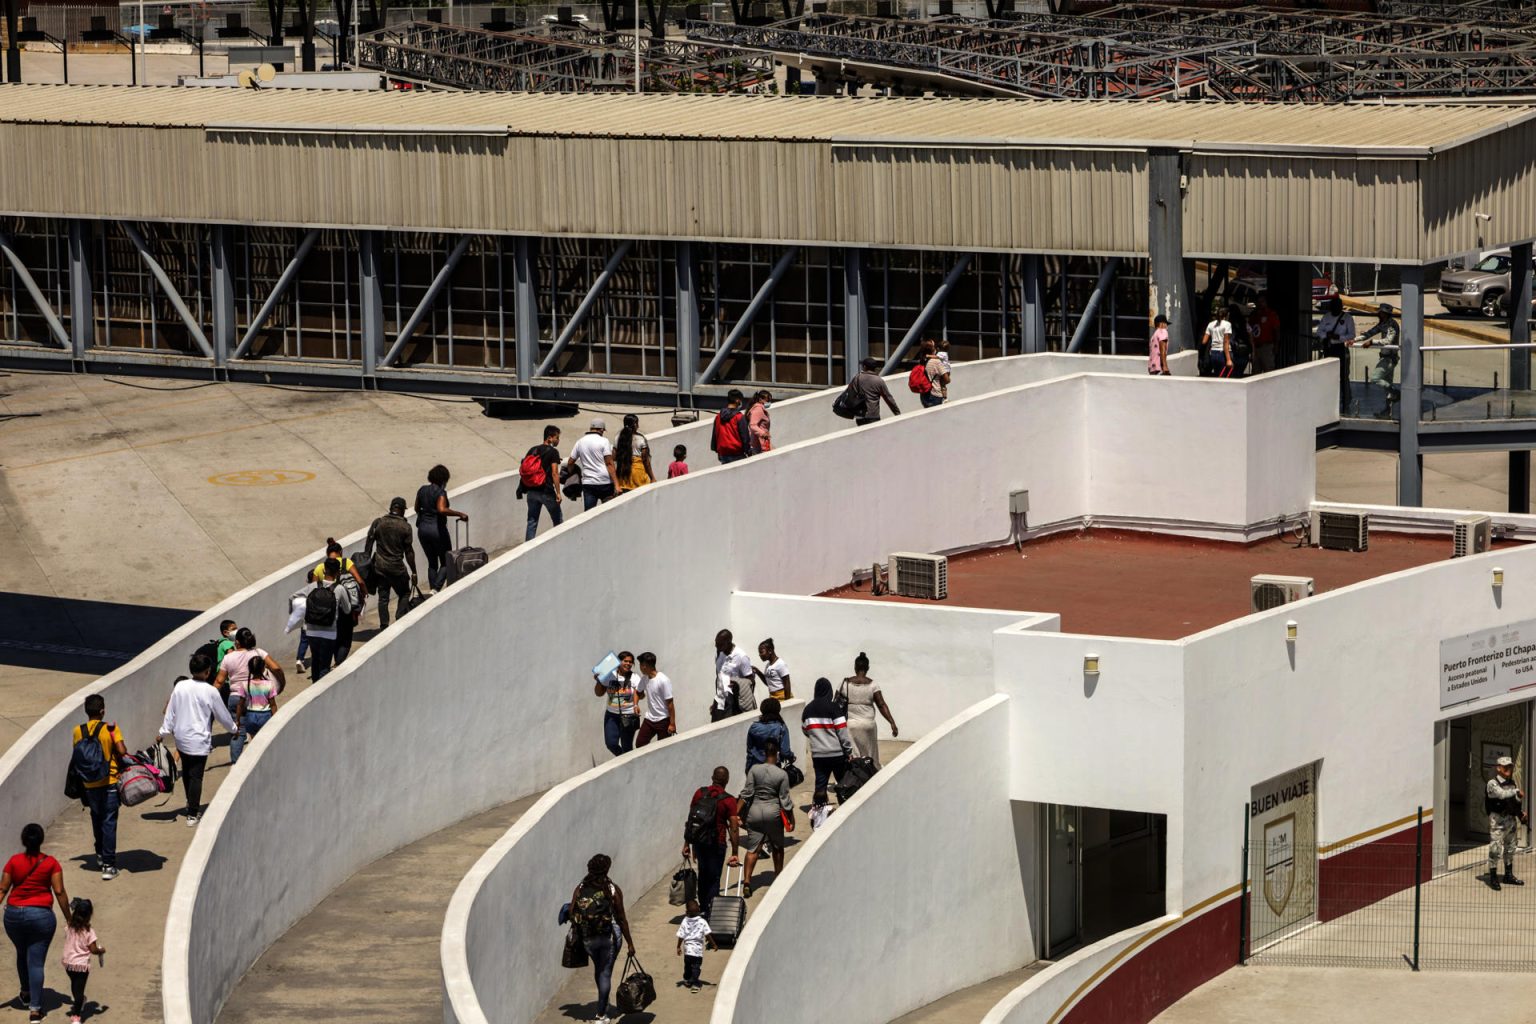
[(31, 883)]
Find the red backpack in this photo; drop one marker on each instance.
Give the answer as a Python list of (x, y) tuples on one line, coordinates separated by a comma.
[(531, 470), (727, 434), (917, 381)]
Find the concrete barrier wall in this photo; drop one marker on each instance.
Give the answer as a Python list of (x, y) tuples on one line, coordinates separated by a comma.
[(1039, 1000), (931, 662), (515, 644), (32, 770), (905, 895), (501, 945)]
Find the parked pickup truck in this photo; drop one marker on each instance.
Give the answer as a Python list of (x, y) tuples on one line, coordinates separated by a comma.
[(1480, 289)]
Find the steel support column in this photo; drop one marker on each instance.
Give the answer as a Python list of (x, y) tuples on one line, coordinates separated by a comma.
[(568, 332), (687, 316), (759, 300), (935, 302), (1520, 367), (855, 312), (194, 328), (1032, 304), (1105, 283), (82, 314), (1410, 463), (55, 327), (370, 301), (525, 306), (1167, 283), (223, 263), (286, 278), (424, 307)]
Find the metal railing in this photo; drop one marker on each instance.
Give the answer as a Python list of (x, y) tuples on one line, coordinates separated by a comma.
[(1413, 900)]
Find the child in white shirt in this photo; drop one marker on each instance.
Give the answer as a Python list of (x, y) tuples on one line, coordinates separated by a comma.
[(692, 936)]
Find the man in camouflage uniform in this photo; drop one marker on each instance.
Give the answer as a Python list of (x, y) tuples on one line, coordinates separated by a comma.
[(1504, 804)]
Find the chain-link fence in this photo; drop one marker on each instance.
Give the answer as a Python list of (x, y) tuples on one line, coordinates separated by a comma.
[(1386, 903)]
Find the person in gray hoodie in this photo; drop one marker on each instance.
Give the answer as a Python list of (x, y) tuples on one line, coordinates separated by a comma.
[(826, 730)]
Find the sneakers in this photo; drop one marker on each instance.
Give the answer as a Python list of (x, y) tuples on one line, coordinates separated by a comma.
[(601, 1020), (191, 821), (107, 874), (74, 1018), (694, 989), (300, 668)]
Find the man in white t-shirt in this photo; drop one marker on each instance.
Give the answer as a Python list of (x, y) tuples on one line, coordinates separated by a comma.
[(1217, 343), (660, 709), (733, 679), (593, 455)]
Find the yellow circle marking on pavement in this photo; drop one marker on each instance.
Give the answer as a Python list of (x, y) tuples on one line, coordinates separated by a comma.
[(261, 477)]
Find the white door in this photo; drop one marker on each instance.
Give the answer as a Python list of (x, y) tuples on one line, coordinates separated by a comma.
[(1064, 879)]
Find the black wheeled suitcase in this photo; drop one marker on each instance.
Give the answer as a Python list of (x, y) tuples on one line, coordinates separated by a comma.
[(728, 914), (859, 771), (465, 560)]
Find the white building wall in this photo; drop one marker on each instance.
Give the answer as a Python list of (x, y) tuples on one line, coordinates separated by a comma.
[(501, 943), (905, 895), (931, 661)]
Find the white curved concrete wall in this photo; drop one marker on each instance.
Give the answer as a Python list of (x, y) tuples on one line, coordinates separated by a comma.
[(931, 661), (32, 770), (925, 891), (509, 650), (1038, 1000), (501, 945)]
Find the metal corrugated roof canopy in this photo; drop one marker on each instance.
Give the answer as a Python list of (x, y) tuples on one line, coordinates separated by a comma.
[(1395, 130)]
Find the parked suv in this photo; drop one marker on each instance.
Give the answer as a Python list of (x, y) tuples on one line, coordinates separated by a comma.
[(1480, 289)]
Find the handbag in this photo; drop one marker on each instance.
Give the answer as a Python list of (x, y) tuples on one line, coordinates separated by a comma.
[(575, 955), (796, 776), (636, 989), (685, 886), (841, 698)]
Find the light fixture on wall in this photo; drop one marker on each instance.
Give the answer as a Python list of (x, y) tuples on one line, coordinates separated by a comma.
[(1091, 665), (1498, 577), (1290, 631)]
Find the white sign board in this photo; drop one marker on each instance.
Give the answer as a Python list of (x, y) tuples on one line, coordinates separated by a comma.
[(1487, 663)]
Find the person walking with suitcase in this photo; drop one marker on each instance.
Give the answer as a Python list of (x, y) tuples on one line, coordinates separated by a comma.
[(432, 513), (713, 819), (597, 908), (393, 558)]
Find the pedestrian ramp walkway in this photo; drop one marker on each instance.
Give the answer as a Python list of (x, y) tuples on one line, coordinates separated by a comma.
[(974, 1003), (369, 951), (653, 924)]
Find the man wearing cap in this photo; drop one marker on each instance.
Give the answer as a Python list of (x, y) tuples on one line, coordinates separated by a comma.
[(1384, 333), (593, 455), (393, 556), (1503, 803)]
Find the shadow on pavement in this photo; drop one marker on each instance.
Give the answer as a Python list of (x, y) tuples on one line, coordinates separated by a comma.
[(71, 635)]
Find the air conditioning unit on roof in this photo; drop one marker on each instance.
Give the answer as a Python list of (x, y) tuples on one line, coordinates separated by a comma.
[(918, 575), (1341, 531), (1473, 535), (1268, 592)]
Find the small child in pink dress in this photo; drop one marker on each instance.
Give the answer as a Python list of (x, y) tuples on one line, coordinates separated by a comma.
[(79, 943)]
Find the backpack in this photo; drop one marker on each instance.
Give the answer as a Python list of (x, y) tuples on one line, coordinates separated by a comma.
[(87, 762), (700, 827), (531, 470), (848, 405), (917, 381), (592, 911), (140, 781), (320, 607), (211, 648), (727, 434)]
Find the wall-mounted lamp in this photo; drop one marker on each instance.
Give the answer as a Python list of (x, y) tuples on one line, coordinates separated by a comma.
[(1498, 577), (1091, 665), (1290, 631)]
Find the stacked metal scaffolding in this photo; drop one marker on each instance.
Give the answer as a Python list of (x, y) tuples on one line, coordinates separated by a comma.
[(1160, 50), (570, 61)]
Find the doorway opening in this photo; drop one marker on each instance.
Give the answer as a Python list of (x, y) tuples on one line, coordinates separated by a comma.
[(1105, 871)]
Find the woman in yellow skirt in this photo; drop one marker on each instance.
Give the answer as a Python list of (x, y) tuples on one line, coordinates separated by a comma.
[(632, 457)]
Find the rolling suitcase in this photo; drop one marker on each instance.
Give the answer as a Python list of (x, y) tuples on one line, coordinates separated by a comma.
[(465, 560), (728, 913), (859, 771)]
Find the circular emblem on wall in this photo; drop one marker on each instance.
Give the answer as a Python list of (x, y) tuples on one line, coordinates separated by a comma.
[(261, 477)]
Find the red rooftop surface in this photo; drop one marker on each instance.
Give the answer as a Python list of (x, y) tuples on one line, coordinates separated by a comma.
[(1125, 583)]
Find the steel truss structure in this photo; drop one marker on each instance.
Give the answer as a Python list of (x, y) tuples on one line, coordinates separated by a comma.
[(1147, 50), (675, 322), (570, 61)]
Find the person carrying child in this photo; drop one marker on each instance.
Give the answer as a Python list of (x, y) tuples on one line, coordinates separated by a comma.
[(79, 943), (692, 936)]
